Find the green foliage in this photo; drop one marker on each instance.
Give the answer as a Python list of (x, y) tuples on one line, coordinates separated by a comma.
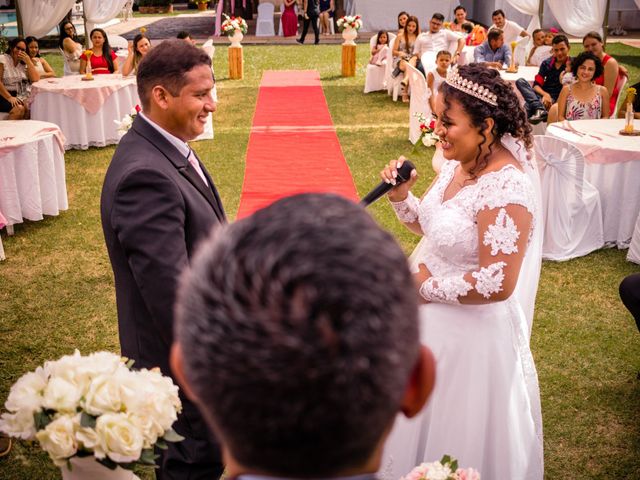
[(56, 286)]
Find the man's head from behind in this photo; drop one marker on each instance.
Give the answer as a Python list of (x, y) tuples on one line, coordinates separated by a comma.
[(174, 85), (297, 336), (495, 37)]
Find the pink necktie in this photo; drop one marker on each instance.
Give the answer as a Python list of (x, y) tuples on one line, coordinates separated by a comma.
[(196, 165)]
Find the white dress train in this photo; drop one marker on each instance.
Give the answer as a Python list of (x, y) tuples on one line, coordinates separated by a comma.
[(485, 407)]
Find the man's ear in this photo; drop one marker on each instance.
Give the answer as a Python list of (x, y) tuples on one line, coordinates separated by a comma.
[(159, 96), (420, 385), (176, 361)]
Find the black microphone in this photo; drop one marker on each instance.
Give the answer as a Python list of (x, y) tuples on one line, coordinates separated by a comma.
[(404, 174)]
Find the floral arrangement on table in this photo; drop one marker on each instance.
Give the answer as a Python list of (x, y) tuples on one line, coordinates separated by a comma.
[(125, 124), (350, 21), (231, 24), (629, 113), (79, 406), (427, 133), (445, 469)]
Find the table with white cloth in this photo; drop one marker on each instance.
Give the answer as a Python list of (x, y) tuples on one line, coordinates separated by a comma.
[(85, 111), (612, 165), (528, 73), (32, 172)]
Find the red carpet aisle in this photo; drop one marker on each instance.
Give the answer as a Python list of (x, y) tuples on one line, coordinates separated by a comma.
[(293, 147)]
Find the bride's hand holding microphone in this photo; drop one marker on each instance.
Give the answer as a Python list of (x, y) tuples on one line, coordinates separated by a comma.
[(401, 179)]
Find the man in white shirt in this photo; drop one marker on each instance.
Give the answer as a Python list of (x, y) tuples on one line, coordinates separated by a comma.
[(540, 51), (435, 40), (512, 31)]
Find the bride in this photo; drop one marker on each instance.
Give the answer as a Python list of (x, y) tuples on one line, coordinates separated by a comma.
[(477, 269)]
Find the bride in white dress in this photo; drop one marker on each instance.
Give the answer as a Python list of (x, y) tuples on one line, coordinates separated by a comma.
[(477, 268)]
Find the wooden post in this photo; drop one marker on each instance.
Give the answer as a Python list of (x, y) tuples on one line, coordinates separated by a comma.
[(236, 63), (348, 60)]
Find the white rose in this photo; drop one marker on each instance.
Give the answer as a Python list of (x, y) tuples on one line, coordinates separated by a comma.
[(88, 440), (19, 424), (119, 437), (149, 428), (101, 363), (429, 141), (58, 439), (61, 395), (154, 396), (27, 392), (103, 395), (70, 368)]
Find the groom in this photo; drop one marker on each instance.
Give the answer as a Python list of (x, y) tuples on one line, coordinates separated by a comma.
[(297, 337), (158, 201)]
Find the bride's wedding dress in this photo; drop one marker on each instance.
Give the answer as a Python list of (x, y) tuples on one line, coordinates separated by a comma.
[(485, 408)]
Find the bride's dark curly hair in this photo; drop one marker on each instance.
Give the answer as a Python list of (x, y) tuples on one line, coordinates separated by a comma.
[(508, 115)]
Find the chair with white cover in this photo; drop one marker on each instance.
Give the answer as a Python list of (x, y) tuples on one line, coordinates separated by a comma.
[(571, 206), (118, 42), (209, 48), (621, 82), (377, 75), (264, 23), (634, 247), (418, 103)]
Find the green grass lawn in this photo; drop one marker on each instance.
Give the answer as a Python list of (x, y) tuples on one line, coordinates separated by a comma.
[(56, 287)]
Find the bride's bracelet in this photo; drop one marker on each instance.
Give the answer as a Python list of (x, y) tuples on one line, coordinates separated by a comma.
[(445, 290), (407, 209)]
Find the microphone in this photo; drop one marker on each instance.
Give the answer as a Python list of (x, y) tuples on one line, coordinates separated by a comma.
[(404, 173)]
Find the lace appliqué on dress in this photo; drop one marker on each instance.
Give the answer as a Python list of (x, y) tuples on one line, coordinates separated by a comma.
[(445, 290), (489, 279), (407, 209), (503, 235)]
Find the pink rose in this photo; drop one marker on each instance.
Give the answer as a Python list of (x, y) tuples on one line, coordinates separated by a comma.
[(467, 474)]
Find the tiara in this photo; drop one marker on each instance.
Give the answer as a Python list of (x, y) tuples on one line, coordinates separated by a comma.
[(469, 87)]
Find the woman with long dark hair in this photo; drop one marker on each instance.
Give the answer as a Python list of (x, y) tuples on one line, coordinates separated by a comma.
[(70, 47), (592, 42), (103, 58), (42, 66), (16, 68), (477, 268)]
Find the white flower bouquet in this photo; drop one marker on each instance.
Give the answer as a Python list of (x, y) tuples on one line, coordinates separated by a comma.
[(231, 24), (80, 406), (350, 21), (428, 136), (445, 469), (125, 124)]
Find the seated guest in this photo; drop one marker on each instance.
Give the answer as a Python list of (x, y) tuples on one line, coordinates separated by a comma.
[(540, 51), (186, 36), (103, 59), (16, 69), (584, 99), (299, 343), (42, 66), (380, 49), (402, 21), (438, 75), (403, 46), (512, 31), (71, 48), (548, 37), (493, 52), (436, 39), (548, 82), (137, 49), (592, 42), (327, 8), (459, 19)]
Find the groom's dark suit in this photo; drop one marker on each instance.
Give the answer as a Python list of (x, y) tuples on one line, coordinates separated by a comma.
[(155, 209)]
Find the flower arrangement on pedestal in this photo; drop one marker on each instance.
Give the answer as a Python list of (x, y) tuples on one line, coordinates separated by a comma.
[(88, 75), (512, 67), (427, 135), (445, 469), (350, 21), (94, 406), (233, 24)]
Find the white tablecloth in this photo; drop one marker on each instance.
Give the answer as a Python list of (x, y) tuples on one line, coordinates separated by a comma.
[(528, 73), (32, 178), (612, 165), (81, 128)]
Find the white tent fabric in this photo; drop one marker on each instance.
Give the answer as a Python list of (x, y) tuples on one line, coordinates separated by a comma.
[(40, 16), (529, 7), (577, 17), (382, 14), (101, 11)]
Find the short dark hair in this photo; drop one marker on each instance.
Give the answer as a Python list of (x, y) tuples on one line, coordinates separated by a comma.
[(167, 65), (438, 16), (443, 53), (467, 27), (537, 30), (498, 12), (583, 57), (299, 330), (459, 7), (13, 43), (559, 39), (182, 34), (494, 34)]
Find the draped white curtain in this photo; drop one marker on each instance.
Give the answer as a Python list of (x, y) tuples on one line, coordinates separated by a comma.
[(529, 7), (101, 11), (577, 17), (40, 16)]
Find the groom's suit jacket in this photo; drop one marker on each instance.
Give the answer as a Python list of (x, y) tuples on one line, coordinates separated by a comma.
[(155, 209)]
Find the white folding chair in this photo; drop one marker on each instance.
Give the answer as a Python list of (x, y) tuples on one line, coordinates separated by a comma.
[(332, 26), (571, 206), (621, 82), (264, 23), (376, 75), (117, 41), (418, 103)]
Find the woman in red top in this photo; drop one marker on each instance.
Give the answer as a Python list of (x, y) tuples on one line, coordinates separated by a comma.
[(104, 59), (592, 42)]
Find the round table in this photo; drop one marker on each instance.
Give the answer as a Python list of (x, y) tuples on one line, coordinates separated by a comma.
[(85, 111)]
